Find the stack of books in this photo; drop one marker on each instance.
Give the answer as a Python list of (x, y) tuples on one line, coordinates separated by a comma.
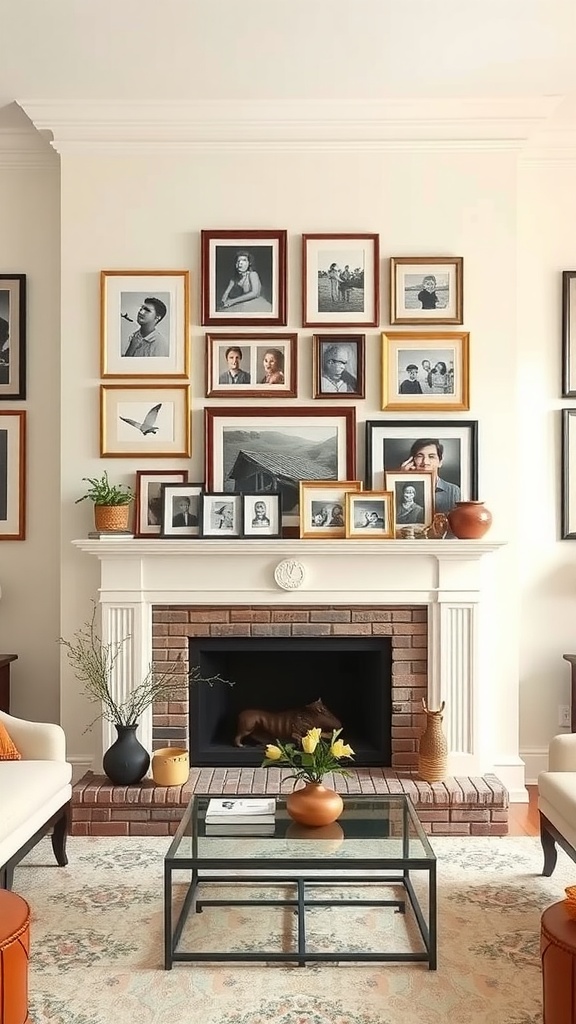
[(235, 816)]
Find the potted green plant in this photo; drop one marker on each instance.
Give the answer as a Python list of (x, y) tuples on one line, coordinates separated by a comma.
[(111, 502), (93, 661)]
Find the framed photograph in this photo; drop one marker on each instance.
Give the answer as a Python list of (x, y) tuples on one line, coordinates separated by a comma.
[(338, 365), (426, 289), (244, 278), (180, 509), (448, 449), (413, 500), (12, 475), (370, 515), (12, 336), (144, 323), (569, 333), (150, 421), (323, 507), (261, 516), (251, 365), (221, 515), (259, 449), (340, 280), (425, 371), (148, 499)]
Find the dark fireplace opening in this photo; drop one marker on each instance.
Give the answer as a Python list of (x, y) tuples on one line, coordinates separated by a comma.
[(352, 675)]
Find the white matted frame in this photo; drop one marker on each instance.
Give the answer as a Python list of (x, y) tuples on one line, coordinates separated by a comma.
[(323, 507), (221, 515), (12, 336), (340, 280), (370, 515), (12, 475), (144, 323), (413, 499), (426, 289), (149, 421), (181, 509), (425, 371), (148, 500), (261, 515)]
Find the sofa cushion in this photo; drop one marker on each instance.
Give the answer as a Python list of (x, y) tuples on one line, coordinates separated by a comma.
[(26, 787), (557, 800), (8, 749)]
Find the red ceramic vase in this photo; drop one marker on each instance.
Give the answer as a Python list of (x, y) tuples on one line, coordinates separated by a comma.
[(469, 520)]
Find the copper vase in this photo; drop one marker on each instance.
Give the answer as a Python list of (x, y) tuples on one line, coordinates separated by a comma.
[(314, 805), (469, 520)]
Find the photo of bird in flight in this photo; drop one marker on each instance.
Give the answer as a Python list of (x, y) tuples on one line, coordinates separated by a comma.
[(148, 423)]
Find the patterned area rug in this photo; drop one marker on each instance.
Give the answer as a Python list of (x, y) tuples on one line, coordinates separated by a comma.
[(97, 945)]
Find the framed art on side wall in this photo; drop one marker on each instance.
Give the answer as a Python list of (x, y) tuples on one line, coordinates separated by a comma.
[(340, 280), (425, 371), (569, 333), (257, 450), (12, 475), (426, 289), (251, 365), (148, 501), (150, 421), (244, 278), (568, 517), (12, 336)]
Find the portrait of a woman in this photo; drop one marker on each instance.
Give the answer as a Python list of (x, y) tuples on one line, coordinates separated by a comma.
[(273, 366), (243, 292)]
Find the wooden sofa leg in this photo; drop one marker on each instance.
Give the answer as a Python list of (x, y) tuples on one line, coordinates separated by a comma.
[(548, 848), (60, 835), (6, 877)]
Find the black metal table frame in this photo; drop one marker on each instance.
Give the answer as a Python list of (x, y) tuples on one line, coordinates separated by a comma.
[(300, 873)]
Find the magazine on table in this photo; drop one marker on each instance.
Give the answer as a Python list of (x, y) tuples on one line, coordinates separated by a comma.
[(239, 829), (243, 811)]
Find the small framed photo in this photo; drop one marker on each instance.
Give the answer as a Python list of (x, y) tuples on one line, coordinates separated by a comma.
[(150, 421), (370, 515), (12, 336), (426, 289), (12, 475), (425, 371), (144, 323), (446, 448), (251, 365), (148, 499), (413, 499), (340, 280), (323, 507), (221, 515), (261, 515), (569, 333), (338, 365), (244, 278), (180, 509)]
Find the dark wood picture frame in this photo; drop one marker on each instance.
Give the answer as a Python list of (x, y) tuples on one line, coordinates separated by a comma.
[(12, 336), (142, 498), (171, 492), (407, 277), (320, 293), (253, 348), (352, 375), (569, 334), (568, 494), (12, 475), (266, 259)]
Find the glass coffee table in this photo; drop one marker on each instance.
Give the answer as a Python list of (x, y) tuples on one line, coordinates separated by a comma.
[(374, 846)]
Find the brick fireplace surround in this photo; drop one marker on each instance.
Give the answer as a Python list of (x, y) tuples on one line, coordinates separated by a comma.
[(146, 591)]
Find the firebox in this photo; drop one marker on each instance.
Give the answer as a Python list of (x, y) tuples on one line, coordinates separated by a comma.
[(352, 675)]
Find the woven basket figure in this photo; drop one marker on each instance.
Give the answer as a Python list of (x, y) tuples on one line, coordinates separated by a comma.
[(433, 750)]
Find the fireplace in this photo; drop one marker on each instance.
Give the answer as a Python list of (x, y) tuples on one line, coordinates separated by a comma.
[(352, 675)]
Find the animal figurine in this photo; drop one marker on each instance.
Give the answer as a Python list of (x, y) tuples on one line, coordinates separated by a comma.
[(267, 726)]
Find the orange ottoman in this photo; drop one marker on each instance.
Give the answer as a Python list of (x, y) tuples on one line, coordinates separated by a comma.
[(558, 951), (14, 950)]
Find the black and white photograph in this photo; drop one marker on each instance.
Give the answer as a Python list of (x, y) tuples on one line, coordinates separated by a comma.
[(244, 277), (144, 323), (148, 498), (340, 280), (147, 421), (426, 289), (370, 515), (425, 371), (569, 333), (221, 515), (323, 507), (180, 505), (12, 475), (260, 450), (448, 450), (259, 365), (262, 516), (413, 498), (338, 365), (12, 336)]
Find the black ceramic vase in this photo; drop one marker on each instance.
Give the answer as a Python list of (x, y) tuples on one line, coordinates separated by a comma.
[(126, 761)]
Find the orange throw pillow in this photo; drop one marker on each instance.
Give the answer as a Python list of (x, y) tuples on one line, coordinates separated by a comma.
[(8, 751)]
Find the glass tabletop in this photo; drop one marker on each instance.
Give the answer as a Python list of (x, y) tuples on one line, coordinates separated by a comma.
[(371, 828)]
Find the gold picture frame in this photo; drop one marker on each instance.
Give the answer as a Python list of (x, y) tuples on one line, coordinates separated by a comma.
[(145, 422), (370, 515), (323, 507), (425, 371)]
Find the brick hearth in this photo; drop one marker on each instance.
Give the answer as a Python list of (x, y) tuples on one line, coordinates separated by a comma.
[(456, 806)]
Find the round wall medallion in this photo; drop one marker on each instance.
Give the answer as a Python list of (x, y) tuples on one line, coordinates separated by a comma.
[(289, 574)]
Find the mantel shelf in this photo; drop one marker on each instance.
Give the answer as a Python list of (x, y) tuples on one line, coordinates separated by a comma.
[(296, 548)]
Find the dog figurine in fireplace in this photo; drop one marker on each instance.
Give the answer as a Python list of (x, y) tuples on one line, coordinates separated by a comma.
[(266, 726)]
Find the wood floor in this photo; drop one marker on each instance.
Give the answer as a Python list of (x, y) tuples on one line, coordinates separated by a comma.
[(523, 818)]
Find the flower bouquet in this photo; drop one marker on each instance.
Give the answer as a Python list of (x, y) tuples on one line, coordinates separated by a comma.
[(314, 804)]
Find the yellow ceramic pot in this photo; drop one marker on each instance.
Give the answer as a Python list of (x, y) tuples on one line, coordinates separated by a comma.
[(170, 766)]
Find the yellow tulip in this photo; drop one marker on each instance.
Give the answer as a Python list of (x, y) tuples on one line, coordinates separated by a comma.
[(272, 752), (310, 740), (340, 749)]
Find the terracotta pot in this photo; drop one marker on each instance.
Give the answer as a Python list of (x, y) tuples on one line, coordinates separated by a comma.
[(314, 805), (170, 766), (111, 517), (469, 520)]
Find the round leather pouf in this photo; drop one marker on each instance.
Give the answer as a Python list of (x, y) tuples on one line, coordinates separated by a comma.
[(14, 952), (558, 951)]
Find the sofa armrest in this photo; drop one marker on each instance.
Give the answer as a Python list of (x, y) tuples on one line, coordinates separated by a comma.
[(36, 741), (562, 753)]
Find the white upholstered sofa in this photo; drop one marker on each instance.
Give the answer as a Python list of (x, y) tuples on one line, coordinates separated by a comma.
[(35, 793), (557, 801)]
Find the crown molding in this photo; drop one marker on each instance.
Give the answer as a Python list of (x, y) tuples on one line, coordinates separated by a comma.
[(116, 127), (552, 145), (24, 148)]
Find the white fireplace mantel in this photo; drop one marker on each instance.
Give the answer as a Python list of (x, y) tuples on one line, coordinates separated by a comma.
[(450, 577)]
